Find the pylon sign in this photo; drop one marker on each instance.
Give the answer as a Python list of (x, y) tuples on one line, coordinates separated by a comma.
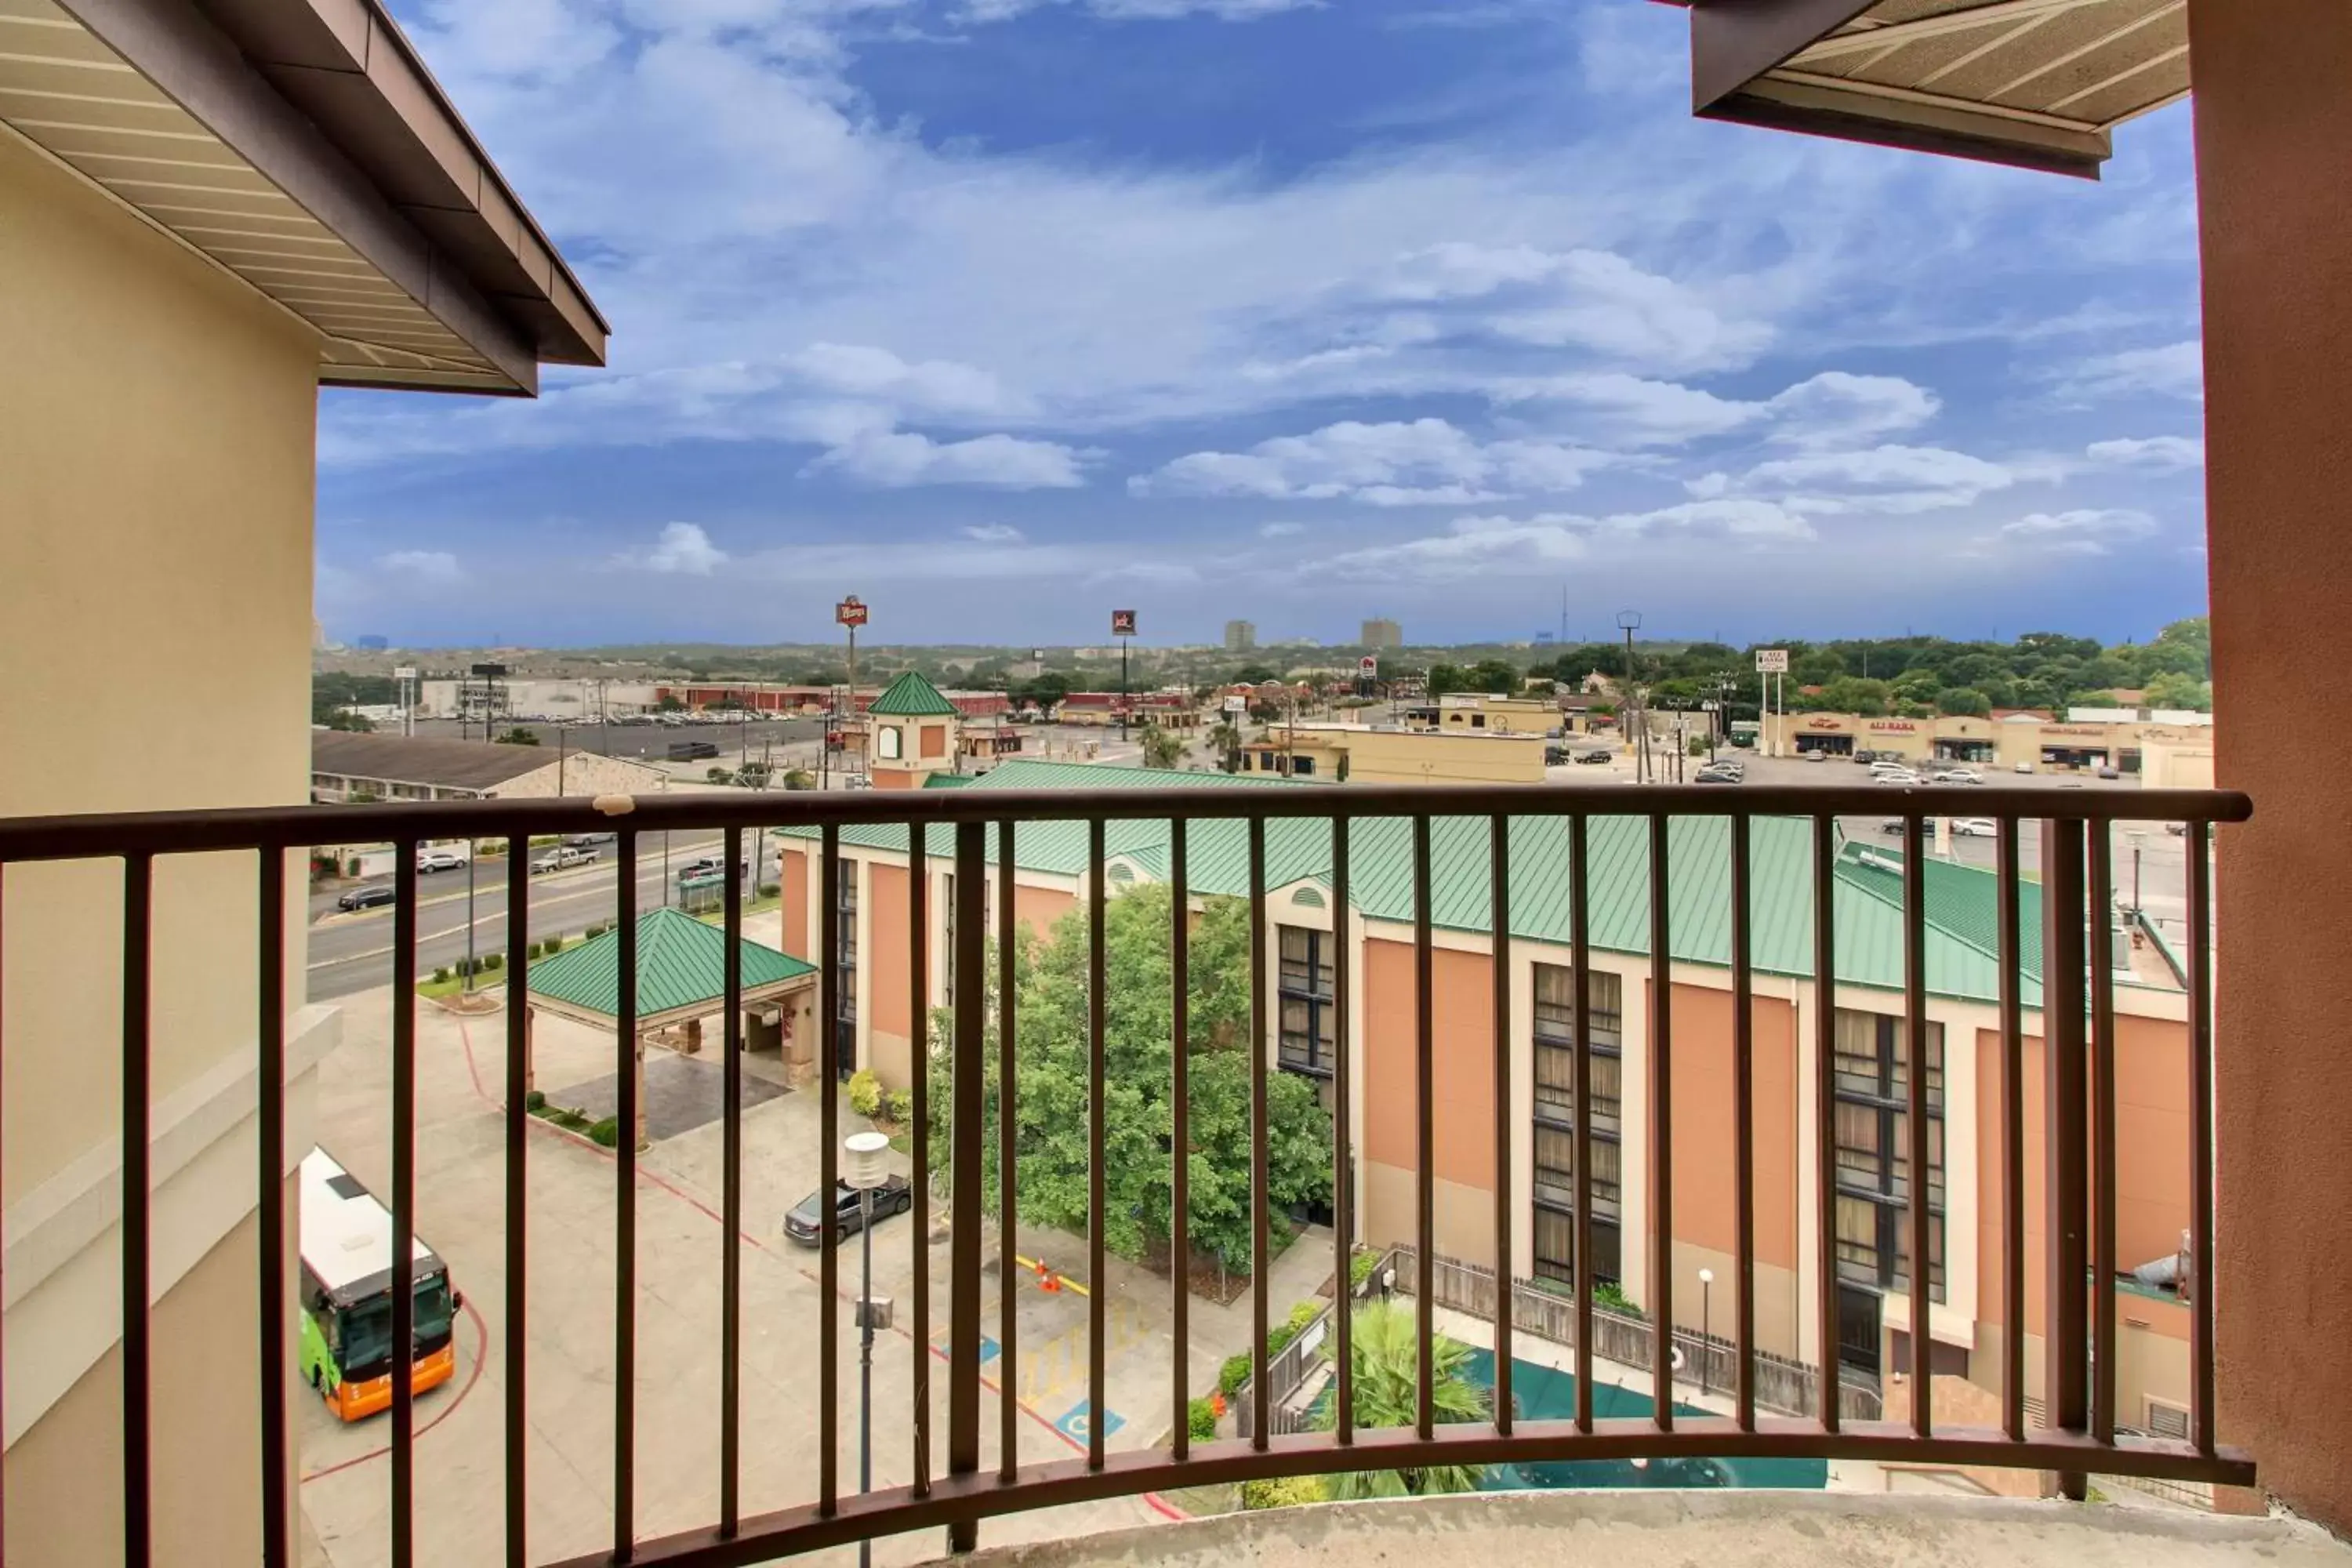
[(1122, 623), (850, 612)]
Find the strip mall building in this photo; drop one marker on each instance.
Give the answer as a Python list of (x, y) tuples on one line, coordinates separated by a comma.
[(1050, 879), (2167, 749)]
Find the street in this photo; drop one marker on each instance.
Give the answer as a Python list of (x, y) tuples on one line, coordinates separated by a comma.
[(353, 951)]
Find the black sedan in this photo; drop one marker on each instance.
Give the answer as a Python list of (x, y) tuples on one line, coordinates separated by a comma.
[(893, 1197), (365, 898)]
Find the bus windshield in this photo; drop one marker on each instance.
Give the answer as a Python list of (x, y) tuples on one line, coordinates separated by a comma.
[(365, 1328)]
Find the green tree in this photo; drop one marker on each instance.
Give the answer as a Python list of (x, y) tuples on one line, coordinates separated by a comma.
[(518, 736), (2180, 692), (1497, 676), (1964, 701), (1162, 748), (1050, 992), (344, 718), (1852, 694), (1384, 1354), (669, 704)]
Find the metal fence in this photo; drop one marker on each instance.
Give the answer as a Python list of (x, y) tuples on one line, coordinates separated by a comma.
[(949, 1489), (1708, 1363)]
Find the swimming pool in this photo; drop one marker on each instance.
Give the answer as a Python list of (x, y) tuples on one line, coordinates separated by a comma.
[(1544, 1394)]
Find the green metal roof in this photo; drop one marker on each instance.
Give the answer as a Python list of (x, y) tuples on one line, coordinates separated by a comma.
[(1961, 947), (681, 962), (947, 781), (911, 696)]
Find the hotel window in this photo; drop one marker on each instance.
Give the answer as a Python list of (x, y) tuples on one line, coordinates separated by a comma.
[(1874, 1168), (1555, 1126), (1307, 998)]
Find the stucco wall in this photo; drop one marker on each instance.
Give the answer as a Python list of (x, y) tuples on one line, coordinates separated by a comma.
[(886, 957), (793, 863), (156, 428), (2275, 158)]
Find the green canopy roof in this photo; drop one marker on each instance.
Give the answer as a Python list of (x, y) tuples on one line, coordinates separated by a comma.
[(912, 697), (681, 966)]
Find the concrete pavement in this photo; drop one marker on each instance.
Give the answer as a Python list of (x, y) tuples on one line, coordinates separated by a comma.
[(571, 1197)]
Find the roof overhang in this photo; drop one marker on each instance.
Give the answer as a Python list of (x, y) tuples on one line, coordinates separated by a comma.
[(750, 996), (2037, 84), (302, 147)]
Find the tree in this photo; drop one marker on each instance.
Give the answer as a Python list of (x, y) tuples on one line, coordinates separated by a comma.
[(1497, 676), (1852, 694), (1964, 703), (669, 704), (1050, 989), (1385, 1358), (1228, 741), (518, 736), (344, 718), (1162, 748), (2180, 692)]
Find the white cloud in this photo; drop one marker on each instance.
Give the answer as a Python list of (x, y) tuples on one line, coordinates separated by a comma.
[(2176, 370), (682, 548), (1880, 479), (1836, 409), (2159, 453), (1419, 462), (1280, 529), (995, 533), (2086, 531), (432, 565), (897, 459), (1472, 545), (1139, 10)]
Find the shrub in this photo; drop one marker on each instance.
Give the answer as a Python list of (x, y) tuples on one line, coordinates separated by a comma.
[(1361, 1267), (1289, 1491), (606, 1133), (865, 1093), (1234, 1374), (494, 960), (441, 974), (770, 890), (1610, 1298), (902, 1107), (534, 1100), (1201, 1421)]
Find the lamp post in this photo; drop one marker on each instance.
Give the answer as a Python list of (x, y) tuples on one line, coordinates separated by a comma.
[(1706, 1326), (1628, 622), (2136, 840), (865, 1170)]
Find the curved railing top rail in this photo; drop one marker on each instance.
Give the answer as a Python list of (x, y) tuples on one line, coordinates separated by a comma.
[(294, 827)]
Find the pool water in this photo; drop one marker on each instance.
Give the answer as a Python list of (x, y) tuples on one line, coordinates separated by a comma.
[(1544, 1394)]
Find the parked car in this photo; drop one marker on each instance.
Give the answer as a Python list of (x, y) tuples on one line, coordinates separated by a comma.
[(365, 898), (1592, 756), (2111, 772), (1975, 827), (1817, 756), (1717, 775), (561, 855), (2178, 829), (710, 865), (692, 750), (1894, 778), (588, 840), (1959, 776), (2023, 768), (1893, 824), (893, 1197), (432, 860)]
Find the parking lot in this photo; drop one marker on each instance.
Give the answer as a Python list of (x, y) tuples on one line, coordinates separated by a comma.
[(571, 1197)]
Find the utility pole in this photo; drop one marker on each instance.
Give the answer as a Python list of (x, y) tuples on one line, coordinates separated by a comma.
[(1630, 621)]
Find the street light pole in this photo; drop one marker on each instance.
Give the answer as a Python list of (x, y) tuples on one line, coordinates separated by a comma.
[(865, 1170), (1629, 621), (470, 912), (1706, 1326)]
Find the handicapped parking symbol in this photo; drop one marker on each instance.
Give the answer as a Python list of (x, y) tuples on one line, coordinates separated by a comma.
[(1077, 1425)]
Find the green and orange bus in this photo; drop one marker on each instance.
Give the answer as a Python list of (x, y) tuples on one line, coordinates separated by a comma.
[(347, 1351)]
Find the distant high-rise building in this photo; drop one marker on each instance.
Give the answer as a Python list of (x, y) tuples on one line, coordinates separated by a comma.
[(1240, 636), (1382, 634)]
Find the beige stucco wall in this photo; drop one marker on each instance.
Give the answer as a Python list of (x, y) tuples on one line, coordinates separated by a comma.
[(156, 430)]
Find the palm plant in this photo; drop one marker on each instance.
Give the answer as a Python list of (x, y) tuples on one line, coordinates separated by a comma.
[(1384, 1356), (1162, 748), (1227, 740)]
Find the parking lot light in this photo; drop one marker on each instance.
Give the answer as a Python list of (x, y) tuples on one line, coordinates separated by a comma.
[(867, 1168)]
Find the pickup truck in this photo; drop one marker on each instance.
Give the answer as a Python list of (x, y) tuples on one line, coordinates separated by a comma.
[(561, 855)]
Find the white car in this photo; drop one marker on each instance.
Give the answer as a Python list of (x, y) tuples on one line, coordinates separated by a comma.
[(1893, 778), (431, 860), (2023, 768), (1959, 776), (556, 860), (1974, 827)]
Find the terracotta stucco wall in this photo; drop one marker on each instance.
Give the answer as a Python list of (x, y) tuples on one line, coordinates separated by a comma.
[(1039, 908), (1463, 1114), (2274, 159), (794, 868), (1706, 1172), (887, 958)]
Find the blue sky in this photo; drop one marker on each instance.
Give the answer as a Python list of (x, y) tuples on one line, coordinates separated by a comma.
[(1001, 313)]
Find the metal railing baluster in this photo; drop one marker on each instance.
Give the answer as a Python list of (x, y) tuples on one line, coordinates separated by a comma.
[(515, 1116), (631, 1057), (1180, 1142), (1916, 1124), (138, 1179), (1661, 1304), (1498, 828), (1743, 1129), (1261, 1246), (1828, 1345), (269, 1175)]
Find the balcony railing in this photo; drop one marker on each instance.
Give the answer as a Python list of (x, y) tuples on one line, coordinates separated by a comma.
[(2078, 1433)]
